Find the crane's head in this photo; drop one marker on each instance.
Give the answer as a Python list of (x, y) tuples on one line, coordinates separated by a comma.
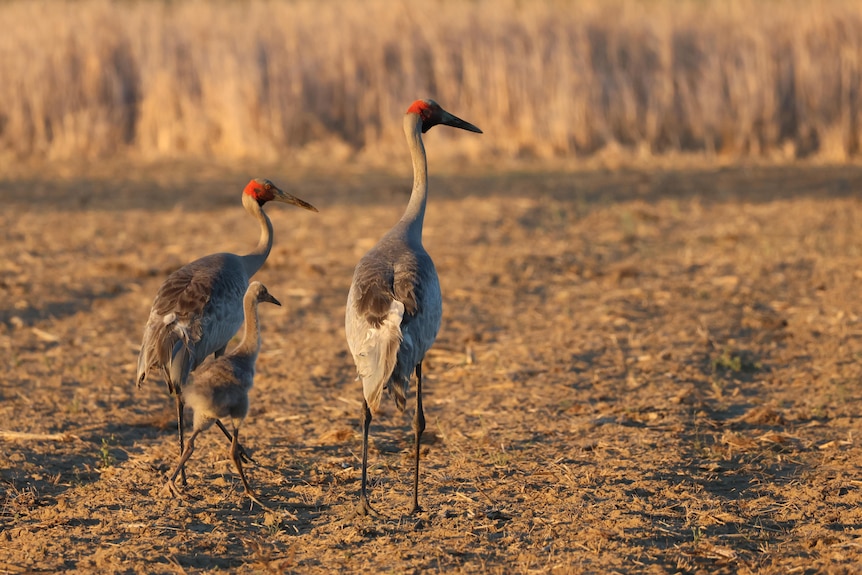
[(432, 114), (260, 293), (263, 191)]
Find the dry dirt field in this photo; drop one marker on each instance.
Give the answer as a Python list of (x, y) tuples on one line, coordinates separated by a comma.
[(651, 372)]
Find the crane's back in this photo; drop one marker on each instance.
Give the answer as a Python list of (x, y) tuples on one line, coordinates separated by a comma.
[(203, 300), (396, 269)]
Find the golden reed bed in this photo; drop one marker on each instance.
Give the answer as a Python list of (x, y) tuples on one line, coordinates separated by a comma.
[(551, 79)]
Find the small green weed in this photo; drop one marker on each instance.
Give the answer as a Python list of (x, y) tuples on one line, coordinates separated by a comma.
[(736, 362), (105, 455)]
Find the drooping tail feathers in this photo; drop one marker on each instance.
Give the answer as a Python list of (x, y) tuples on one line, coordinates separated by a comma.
[(167, 347), (378, 354)]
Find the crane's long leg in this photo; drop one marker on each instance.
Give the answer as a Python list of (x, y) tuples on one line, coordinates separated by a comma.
[(237, 461), (242, 452), (364, 508), (170, 486), (176, 376), (180, 428), (418, 428)]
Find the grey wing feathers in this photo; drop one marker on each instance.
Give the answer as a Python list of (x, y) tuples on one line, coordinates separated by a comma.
[(176, 317), (373, 290), (383, 298), (377, 281), (406, 284)]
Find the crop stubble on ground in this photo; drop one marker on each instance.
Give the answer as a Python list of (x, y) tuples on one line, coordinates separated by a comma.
[(653, 372)]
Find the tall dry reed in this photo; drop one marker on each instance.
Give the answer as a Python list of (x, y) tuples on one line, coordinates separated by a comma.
[(325, 80)]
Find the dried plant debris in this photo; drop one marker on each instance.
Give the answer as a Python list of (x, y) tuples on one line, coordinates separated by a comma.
[(608, 393)]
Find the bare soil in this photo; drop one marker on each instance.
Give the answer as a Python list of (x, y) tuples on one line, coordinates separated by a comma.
[(651, 372)]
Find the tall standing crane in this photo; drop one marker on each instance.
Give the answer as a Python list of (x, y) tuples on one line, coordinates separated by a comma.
[(394, 305), (198, 308)]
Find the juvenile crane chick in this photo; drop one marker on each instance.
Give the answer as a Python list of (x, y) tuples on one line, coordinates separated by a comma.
[(220, 387)]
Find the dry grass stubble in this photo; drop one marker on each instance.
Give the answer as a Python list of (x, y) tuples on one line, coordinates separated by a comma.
[(649, 372)]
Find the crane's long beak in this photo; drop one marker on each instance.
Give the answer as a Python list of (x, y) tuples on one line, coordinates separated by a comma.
[(281, 196), (268, 298), (456, 122)]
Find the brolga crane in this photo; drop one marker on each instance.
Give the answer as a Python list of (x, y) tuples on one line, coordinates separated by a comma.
[(394, 305), (202, 302), (219, 389)]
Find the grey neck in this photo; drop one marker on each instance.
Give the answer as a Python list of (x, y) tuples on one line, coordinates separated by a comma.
[(415, 213), (255, 259)]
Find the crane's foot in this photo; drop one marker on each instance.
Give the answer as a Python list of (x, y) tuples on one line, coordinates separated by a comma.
[(243, 454), (254, 499), (416, 509), (364, 509), (170, 489)]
